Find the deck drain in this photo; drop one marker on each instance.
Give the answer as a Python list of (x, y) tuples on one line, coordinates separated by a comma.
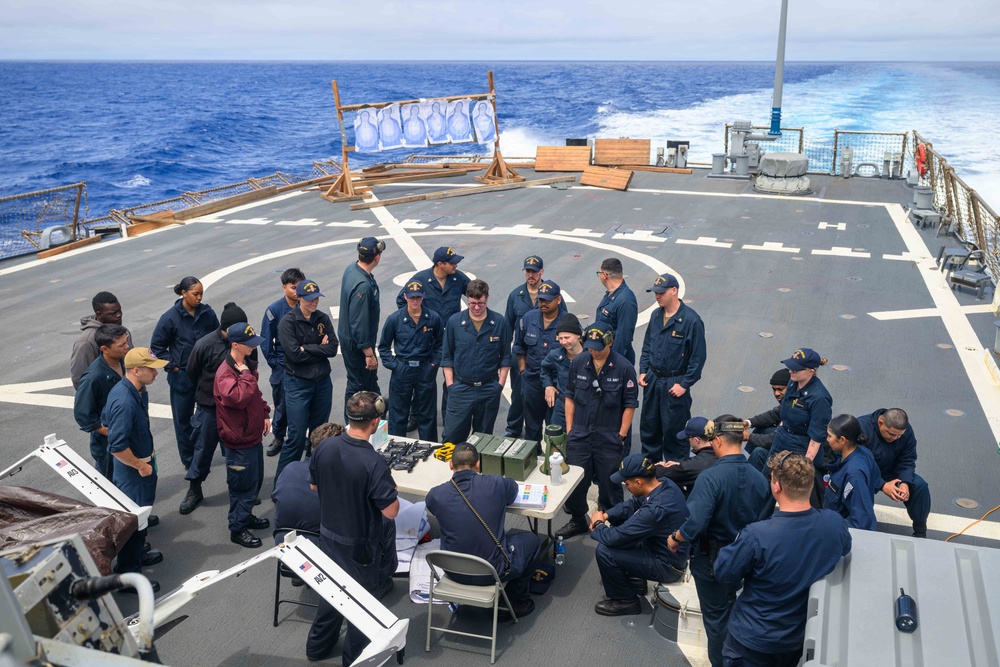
[(952, 412), (79, 300), (651, 247), (636, 209), (710, 266), (944, 346), (745, 389), (171, 266), (784, 289), (799, 210), (254, 254), (744, 217), (766, 334), (862, 226), (848, 316), (854, 278), (841, 367), (583, 317), (808, 233), (55, 280), (967, 503), (148, 250), (491, 266), (729, 240), (797, 259)]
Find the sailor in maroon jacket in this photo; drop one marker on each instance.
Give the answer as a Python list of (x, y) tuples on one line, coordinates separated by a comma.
[(243, 420)]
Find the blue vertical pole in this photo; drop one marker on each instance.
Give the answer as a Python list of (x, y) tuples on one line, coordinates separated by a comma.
[(779, 73)]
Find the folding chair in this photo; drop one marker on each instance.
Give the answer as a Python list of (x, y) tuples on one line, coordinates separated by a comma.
[(284, 572), (974, 276), (444, 588)]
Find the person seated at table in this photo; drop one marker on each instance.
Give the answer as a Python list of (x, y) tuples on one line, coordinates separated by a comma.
[(633, 549), (296, 506), (470, 509)]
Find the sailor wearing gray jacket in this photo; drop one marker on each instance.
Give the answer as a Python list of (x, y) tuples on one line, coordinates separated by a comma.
[(107, 310)]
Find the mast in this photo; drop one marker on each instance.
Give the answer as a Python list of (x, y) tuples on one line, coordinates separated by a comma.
[(779, 73)]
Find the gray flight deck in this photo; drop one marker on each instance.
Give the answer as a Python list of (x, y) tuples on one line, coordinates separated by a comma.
[(840, 271)]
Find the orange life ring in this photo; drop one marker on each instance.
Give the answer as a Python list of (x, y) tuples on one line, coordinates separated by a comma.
[(921, 160)]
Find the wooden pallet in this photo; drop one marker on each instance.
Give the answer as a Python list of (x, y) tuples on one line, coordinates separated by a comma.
[(616, 152), (602, 177), (562, 158)]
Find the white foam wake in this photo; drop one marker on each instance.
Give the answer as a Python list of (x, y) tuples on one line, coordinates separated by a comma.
[(137, 181)]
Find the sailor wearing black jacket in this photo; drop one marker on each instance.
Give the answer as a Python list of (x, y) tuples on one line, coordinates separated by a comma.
[(766, 424), (309, 341), (684, 473)]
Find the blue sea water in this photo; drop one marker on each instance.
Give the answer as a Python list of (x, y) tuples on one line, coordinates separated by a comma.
[(139, 132)]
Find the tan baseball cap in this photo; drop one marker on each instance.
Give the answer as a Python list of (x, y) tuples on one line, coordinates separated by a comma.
[(143, 357)]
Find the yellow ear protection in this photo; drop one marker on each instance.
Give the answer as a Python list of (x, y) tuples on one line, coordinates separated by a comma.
[(712, 429), (444, 452), (378, 408), (606, 337)]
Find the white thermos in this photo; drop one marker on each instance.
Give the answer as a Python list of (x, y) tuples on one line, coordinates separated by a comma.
[(555, 469)]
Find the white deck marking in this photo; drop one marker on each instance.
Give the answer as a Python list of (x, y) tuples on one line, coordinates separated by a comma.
[(839, 226), (217, 217), (461, 227), (566, 297), (903, 257), (772, 246), (301, 222), (710, 241), (580, 232), (31, 393), (737, 195), (518, 229), (249, 221), (351, 223), (840, 251), (645, 235), (963, 336), (334, 312), (889, 315), (412, 223), (945, 523)]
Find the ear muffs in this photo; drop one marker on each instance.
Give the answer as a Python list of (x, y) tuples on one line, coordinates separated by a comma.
[(378, 410), (379, 246)]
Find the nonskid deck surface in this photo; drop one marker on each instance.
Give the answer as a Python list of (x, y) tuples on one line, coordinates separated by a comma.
[(840, 271)]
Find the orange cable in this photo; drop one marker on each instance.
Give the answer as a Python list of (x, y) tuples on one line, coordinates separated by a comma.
[(974, 523)]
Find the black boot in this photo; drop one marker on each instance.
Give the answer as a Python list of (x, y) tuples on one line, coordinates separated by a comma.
[(192, 499), (245, 538)]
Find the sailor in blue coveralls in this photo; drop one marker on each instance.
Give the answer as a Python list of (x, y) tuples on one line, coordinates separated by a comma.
[(475, 358), (445, 286), (618, 308), (271, 349), (308, 341), (174, 336), (102, 375), (891, 440), (768, 621), (130, 441), (673, 356), (410, 348), (522, 299), (534, 337), (601, 399), (633, 548), (806, 409), (357, 326), (725, 498), (556, 365), (854, 477)]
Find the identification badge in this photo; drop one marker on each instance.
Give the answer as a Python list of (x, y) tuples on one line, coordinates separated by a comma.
[(676, 334), (413, 364), (494, 339)]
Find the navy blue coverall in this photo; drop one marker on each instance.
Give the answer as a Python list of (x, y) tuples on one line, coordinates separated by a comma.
[(534, 340), (725, 498), (412, 353), (91, 396), (555, 373), (673, 352), (593, 443), (173, 338), (357, 328), (635, 544), (621, 310), (275, 356), (854, 481)]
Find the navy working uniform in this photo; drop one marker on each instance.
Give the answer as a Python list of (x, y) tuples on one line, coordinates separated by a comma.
[(357, 328), (853, 483), (685, 473), (635, 544), (673, 352), (620, 311), (594, 443), (533, 340), (768, 622), (725, 498), (764, 426), (898, 460), (462, 532), (354, 485), (412, 353), (555, 373), (174, 336), (308, 389), (91, 396), (275, 356), (127, 417), (476, 358)]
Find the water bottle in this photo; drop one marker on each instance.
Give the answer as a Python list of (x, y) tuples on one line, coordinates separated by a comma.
[(555, 469), (560, 551)]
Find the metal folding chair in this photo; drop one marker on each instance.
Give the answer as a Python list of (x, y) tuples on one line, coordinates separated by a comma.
[(283, 572), (444, 588)]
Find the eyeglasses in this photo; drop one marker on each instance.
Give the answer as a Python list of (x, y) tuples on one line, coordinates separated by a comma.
[(477, 304), (601, 273)]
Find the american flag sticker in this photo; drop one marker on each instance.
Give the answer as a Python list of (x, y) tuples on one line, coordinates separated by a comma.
[(61, 463), (305, 567)]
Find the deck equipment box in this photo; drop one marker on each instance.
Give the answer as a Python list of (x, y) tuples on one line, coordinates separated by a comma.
[(492, 456), (520, 459)]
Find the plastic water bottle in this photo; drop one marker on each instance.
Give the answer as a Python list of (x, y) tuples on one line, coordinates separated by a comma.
[(555, 469), (560, 551)]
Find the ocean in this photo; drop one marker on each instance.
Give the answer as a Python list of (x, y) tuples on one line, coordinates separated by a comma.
[(139, 132)]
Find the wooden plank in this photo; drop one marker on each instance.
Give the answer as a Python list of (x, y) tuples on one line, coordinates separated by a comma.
[(461, 192), (156, 219), (226, 202), (658, 170), (562, 158), (419, 176), (467, 166), (615, 152), (73, 245), (381, 105), (602, 177), (305, 184)]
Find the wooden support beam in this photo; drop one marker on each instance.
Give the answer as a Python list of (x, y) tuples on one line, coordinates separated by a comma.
[(73, 245), (658, 170), (226, 202), (462, 192), (419, 176), (465, 166)]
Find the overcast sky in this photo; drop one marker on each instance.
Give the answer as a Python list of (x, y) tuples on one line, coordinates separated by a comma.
[(499, 30)]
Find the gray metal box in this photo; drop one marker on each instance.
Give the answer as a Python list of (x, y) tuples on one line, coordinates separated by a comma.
[(957, 593)]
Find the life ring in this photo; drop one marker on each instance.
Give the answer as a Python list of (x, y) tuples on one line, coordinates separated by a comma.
[(921, 160)]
